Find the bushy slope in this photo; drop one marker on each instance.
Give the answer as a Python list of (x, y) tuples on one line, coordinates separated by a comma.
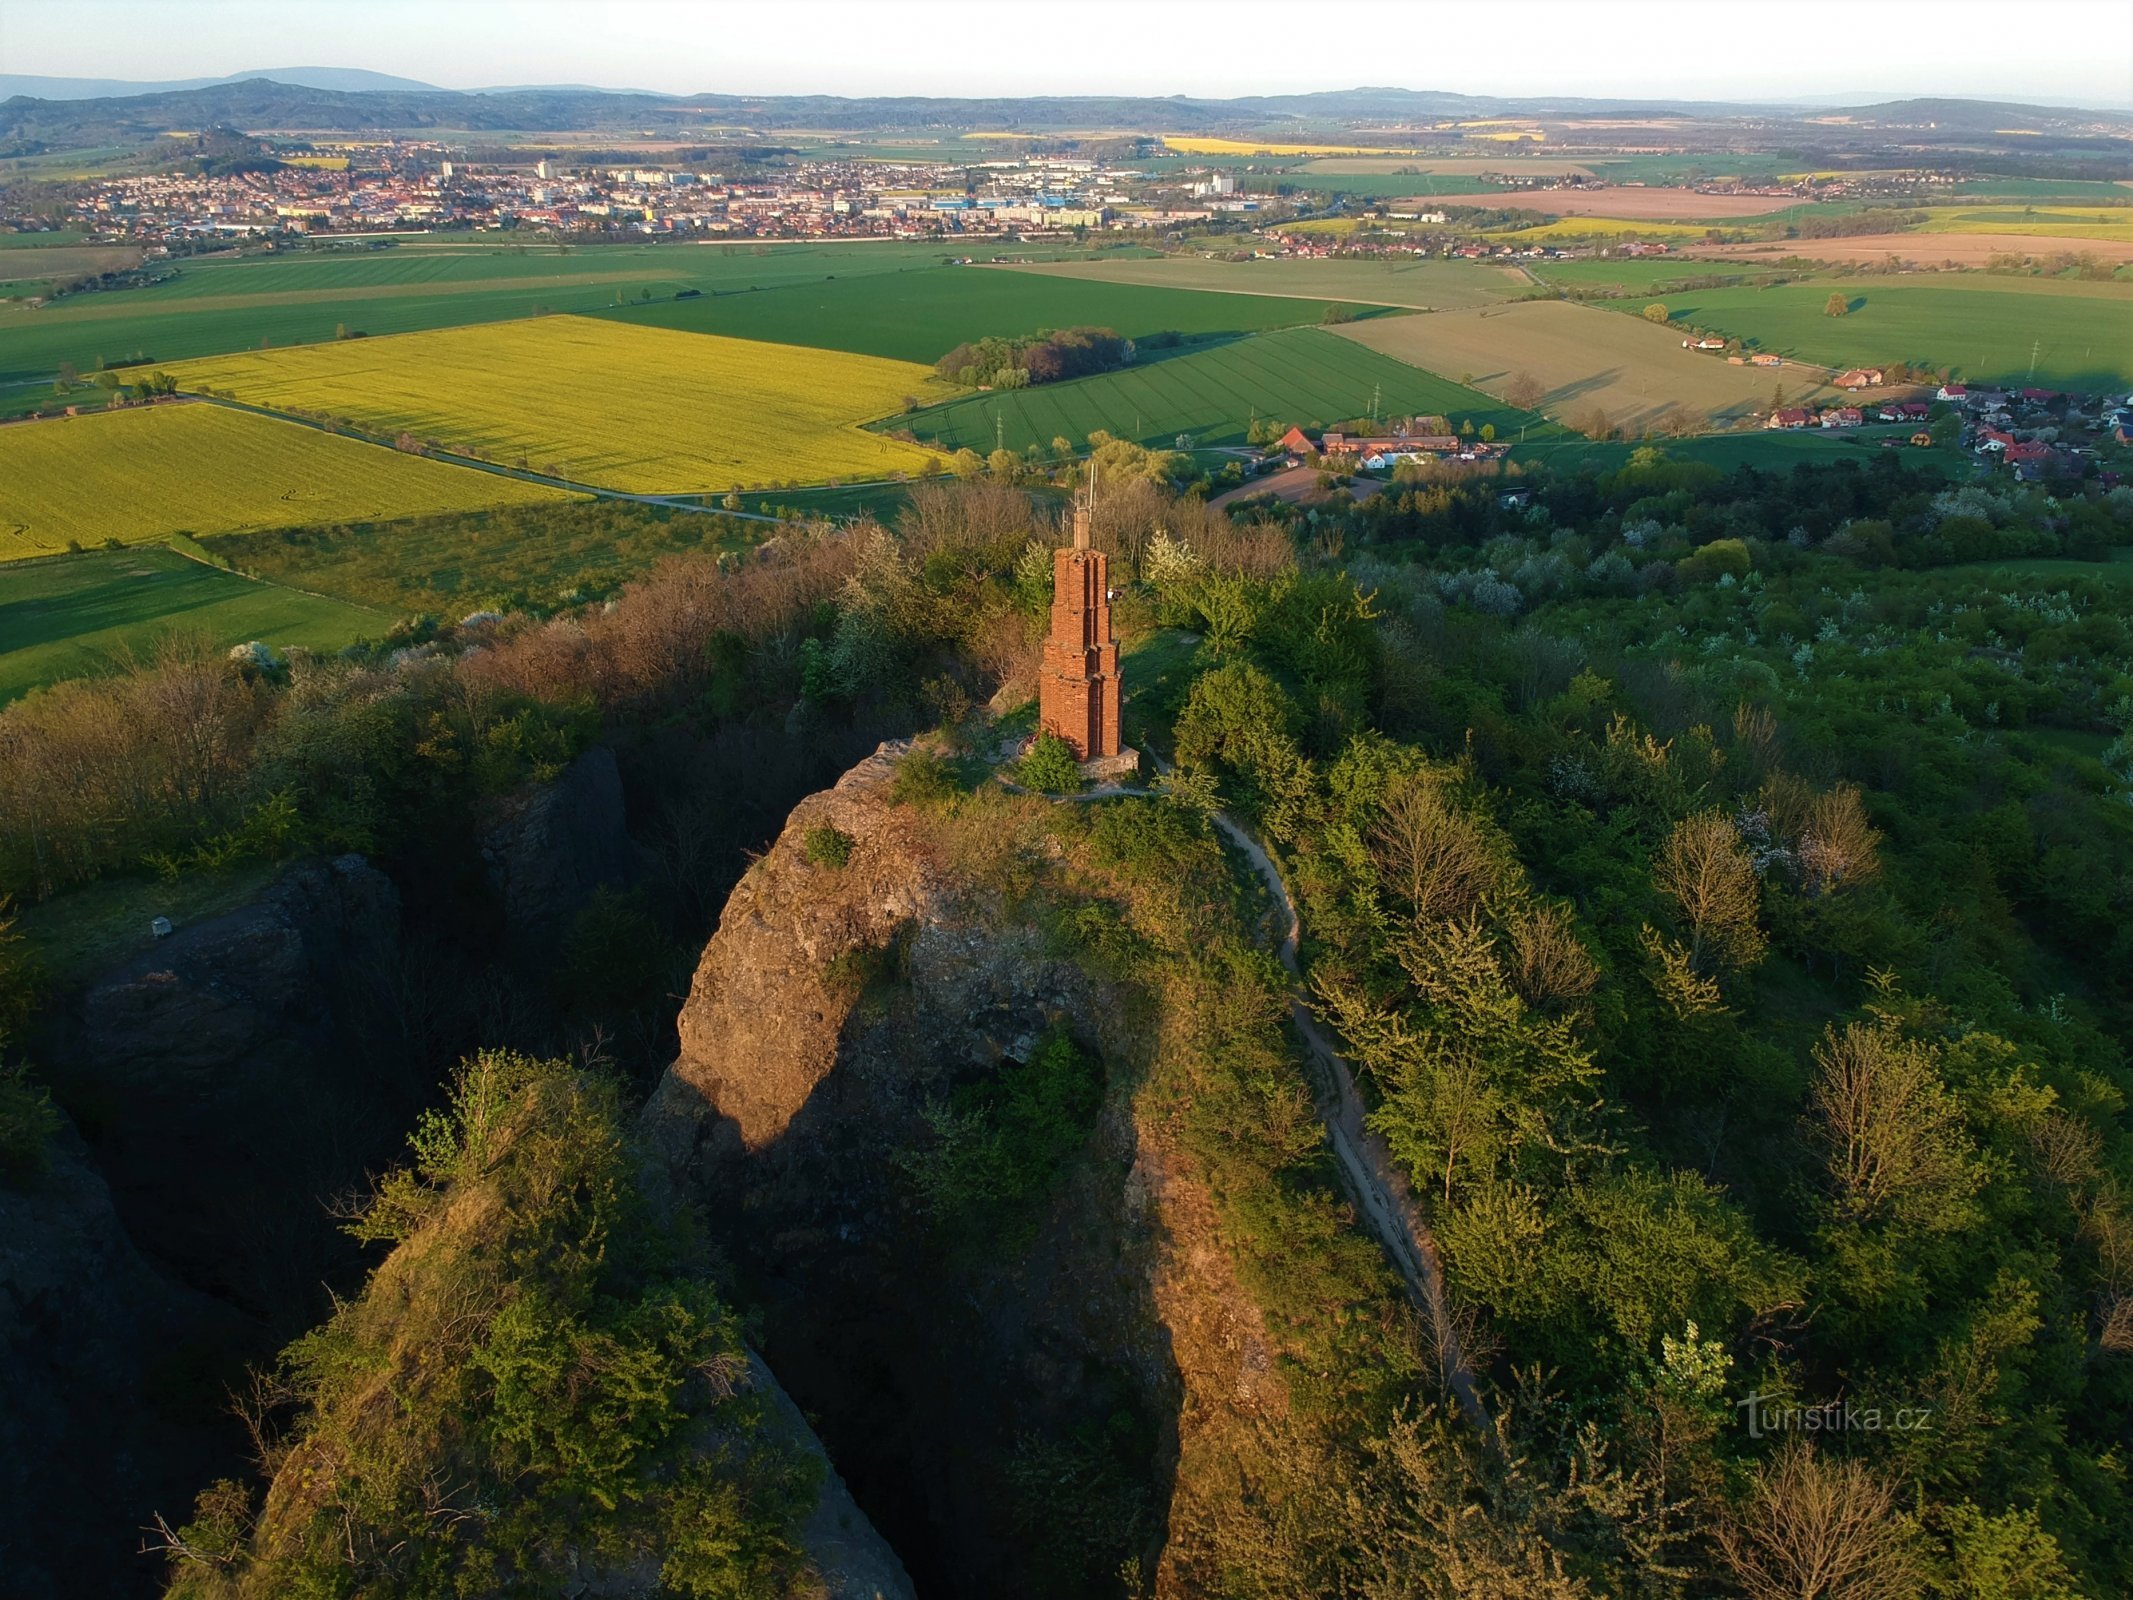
[(533, 1395)]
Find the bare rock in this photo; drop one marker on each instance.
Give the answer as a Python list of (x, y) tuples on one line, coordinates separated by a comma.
[(547, 850)]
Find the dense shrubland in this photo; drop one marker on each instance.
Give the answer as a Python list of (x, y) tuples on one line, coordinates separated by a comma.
[(1748, 997), (1726, 902)]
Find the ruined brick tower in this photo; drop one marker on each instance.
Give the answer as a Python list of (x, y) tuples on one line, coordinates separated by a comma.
[(1077, 689)]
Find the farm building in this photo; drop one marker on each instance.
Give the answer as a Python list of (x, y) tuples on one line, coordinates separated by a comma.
[(1953, 393), (1766, 361), (1860, 378), (1842, 417), (1905, 411), (1706, 343), (1791, 417)]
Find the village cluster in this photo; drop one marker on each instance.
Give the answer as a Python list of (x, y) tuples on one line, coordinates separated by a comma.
[(2036, 433)]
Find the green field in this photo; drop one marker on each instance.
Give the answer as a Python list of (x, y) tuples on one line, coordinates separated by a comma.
[(1299, 375), (1640, 275), (41, 241), (922, 315), (64, 616), (139, 475), (1418, 285), (1981, 328), (218, 306)]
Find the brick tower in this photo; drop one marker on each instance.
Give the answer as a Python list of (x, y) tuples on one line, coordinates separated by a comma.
[(1078, 686)]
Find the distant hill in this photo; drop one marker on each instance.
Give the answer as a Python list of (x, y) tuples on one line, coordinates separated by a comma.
[(350, 79), (1981, 116), (348, 100)]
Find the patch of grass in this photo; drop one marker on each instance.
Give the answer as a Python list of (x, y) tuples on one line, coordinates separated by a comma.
[(81, 933), (70, 616), (826, 846), (138, 475), (641, 409)]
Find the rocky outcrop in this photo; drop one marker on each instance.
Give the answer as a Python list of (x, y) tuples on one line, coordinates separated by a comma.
[(850, 1558), (238, 1074), (547, 850), (84, 1443), (836, 1006)]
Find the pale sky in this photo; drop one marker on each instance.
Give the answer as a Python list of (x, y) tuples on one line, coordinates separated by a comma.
[(2057, 50)]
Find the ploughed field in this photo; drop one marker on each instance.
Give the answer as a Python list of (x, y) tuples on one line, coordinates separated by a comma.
[(1582, 357), (1301, 375), (1985, 329), (66, 616), (141, 474), (597, 401)]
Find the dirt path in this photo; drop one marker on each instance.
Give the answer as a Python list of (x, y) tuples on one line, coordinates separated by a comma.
[(1369, 1173), (1382, 1196)]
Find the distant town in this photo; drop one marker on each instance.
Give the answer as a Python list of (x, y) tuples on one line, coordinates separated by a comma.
[(367, 187)]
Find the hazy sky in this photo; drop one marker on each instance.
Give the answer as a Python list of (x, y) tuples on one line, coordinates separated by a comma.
[(2063, 50)]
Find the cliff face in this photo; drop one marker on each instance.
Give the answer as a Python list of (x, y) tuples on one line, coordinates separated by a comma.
[(83, 1445), (968, 1392), (220, 1072), (549, 848)]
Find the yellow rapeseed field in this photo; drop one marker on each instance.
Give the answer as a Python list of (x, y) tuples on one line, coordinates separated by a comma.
[(1575, 229), (2112, 224), (140, 475), (648, 410)]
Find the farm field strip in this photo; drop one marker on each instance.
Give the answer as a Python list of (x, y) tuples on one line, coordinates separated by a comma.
[(2110, 224), (1926, 250), (217, 307), (2080, 335), (1471, 166), (143, 474), (1578, 230), (599, 401), (68, 616), (705, 265), (1582, 357), (922, 314), (1301, 375), (1656, 205), (1421, 285)]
